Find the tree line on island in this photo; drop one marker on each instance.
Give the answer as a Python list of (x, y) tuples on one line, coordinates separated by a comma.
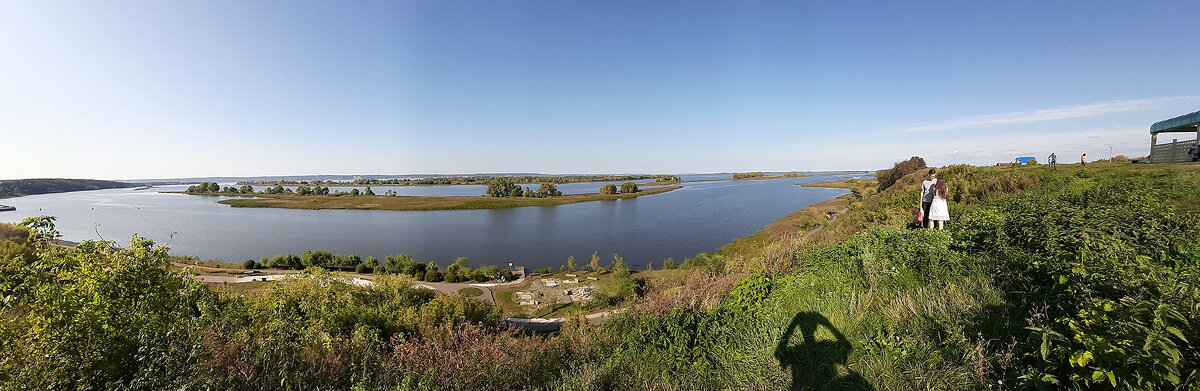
[(497, 187), (465, 180)]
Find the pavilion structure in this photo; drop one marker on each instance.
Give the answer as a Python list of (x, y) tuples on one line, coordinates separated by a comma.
[(1175, 151)]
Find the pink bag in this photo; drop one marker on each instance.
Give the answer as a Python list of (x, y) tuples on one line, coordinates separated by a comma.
[(920, 215)]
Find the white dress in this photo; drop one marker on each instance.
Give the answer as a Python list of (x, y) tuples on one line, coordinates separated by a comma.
[(938, 211)]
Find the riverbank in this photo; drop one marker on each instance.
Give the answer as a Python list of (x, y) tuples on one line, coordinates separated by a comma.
[(425, 203)]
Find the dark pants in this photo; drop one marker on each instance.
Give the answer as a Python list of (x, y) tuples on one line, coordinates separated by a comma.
[(925, 209)]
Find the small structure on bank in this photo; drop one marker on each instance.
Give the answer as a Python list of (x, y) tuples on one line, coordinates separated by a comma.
[(1175, 151)]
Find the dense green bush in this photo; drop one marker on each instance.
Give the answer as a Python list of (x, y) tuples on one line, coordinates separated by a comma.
[(889, 176)]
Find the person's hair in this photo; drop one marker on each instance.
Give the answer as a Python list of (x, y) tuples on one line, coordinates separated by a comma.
[(939, 189), (932, 171)]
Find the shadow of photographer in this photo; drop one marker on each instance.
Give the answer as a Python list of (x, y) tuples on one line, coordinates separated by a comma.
[(814, 363)]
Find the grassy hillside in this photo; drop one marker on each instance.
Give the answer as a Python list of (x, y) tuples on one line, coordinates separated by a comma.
[(24, 187), (1045, 279)]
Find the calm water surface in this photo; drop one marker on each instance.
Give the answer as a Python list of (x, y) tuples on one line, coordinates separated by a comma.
[(700, 217)]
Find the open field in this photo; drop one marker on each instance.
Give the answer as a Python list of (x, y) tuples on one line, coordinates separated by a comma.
[(425, 203)]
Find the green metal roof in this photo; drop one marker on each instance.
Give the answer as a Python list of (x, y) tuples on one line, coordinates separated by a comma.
[(1183, 123)]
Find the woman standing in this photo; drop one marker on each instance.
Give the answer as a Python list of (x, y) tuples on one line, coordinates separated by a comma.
[(938, 210)]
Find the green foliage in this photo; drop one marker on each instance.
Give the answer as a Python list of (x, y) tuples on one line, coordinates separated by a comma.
[(609, 189), (889, 176), (714, 262), (669, 264), (748, 175), (114, 317), (547, 190), (571, 263), (503, 187), (594, 265), (629, 188)]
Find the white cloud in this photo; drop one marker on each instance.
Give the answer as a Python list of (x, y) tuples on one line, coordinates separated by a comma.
[(1020, 117)]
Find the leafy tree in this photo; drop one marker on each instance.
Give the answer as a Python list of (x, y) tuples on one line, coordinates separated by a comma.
[(249, 264), (214, 187), (369, 192), (619, 267), (246, 189), (608, 189), (316, 258), (459, 265), (478, 276), (889, 176), (629, 188), (303, 190), (571, 263), (490, 271), (401, 263), (354, 192), (594, 265), (502, 187), (669, 264), (547, 190), (98, 316)]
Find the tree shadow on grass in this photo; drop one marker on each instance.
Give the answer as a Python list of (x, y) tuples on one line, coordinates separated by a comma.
[(814, 363)]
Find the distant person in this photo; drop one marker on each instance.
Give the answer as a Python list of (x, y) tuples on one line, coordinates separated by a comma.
[(939, 212), (1053, 161), (1083, 160), (927, 196), (1195, 152)]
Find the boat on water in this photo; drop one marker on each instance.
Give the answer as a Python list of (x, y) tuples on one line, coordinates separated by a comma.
[(6, 208)]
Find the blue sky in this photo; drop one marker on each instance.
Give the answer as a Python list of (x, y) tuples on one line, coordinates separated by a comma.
[(155, 89)]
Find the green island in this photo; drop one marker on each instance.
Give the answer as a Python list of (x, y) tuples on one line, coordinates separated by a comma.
[(469, 180), (502, 192), (1067, 278), (425, 203)]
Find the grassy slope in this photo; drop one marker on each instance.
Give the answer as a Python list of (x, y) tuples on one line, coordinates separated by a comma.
[(920, 309), (425, 203)]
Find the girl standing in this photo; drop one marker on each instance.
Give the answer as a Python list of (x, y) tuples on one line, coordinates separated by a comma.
[(938, 210)]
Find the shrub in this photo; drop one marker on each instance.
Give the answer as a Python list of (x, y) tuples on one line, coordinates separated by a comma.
[(889, 176)]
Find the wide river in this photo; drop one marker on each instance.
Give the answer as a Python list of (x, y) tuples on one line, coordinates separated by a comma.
[(700, 217)]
